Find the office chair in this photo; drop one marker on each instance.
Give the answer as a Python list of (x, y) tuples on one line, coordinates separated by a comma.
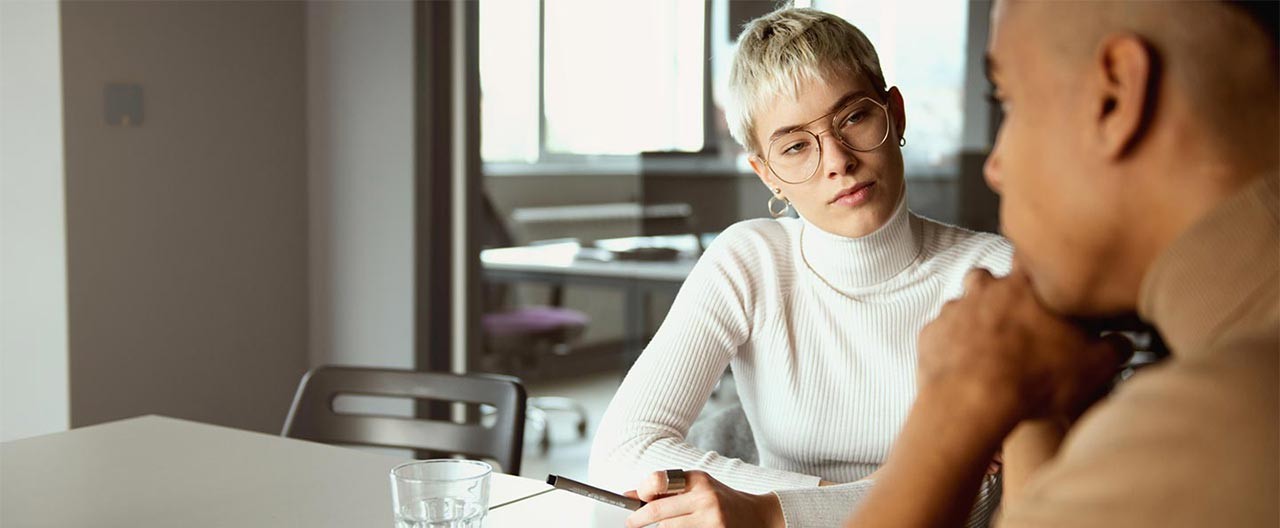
[(312, 416), (524, 334), (727, 432)]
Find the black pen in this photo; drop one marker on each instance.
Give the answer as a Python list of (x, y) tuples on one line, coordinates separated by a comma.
[(586, 490)]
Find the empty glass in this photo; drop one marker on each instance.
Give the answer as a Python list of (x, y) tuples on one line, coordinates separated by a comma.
[(443, 493)]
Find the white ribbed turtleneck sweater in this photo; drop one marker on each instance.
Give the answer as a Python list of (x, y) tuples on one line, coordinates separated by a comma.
[(820, 331)]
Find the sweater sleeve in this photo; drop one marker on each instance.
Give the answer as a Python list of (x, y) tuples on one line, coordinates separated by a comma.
[(832, 505), (644, 428)]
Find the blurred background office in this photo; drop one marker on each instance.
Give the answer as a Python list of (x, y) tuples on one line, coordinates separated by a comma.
[(203, 199)]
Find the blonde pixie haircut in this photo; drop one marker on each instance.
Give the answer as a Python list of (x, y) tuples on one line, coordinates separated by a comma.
[(779, 51)]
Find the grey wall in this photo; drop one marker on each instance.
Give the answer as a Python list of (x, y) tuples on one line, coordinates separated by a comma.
[(33, 284), (186, 236), (360, 151)]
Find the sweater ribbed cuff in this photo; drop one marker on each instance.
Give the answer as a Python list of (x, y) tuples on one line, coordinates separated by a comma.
[(763, 480), (821, 507)]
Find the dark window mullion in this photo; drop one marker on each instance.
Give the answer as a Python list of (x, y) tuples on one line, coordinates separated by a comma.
[(542, 75), (709, 140)]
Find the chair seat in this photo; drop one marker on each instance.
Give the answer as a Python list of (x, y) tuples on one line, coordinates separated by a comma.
[(533, 321)]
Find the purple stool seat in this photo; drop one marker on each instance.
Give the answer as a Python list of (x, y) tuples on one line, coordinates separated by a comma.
[(533, 321)]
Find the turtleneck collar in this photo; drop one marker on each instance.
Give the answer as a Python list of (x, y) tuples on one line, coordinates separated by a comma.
[(853, 263)]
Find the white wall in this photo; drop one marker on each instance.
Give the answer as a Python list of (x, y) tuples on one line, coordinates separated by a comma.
[(359, 77), (360, 155), (33, 273)]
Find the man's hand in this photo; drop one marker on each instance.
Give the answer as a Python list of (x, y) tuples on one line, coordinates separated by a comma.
[(705, 502), (999, 341), (990, 360)]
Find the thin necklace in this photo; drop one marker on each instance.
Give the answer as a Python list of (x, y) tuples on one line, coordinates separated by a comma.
[(815, 273), (805, 260)]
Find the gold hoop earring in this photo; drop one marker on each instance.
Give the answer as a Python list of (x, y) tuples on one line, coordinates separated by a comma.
[(902, 141), (786, 204)]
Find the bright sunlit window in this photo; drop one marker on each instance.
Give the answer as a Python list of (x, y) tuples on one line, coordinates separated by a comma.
[(509, 80), (602, 77)]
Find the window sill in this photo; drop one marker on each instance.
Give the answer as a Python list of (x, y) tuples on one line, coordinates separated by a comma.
[(684, 166)]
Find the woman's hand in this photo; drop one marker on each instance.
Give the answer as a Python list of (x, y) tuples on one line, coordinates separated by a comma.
[(704, 502), (997, 464)]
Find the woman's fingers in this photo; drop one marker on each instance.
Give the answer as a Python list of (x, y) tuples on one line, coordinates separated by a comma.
[(668, 511), (997, 462), (653, 486), (662, 483)]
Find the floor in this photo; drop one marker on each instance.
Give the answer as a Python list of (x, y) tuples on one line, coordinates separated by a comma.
[(569, 455)]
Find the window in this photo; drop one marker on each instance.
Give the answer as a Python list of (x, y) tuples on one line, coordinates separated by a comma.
[(561, 79), (582, 80), (509, 80)]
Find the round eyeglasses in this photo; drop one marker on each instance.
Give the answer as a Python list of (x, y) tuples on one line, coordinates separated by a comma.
[(861, 126)]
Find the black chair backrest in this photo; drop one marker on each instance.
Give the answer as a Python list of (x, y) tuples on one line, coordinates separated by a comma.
[(312, 416)]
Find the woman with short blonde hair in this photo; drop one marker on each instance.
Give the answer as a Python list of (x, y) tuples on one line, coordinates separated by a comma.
[(817, 315)]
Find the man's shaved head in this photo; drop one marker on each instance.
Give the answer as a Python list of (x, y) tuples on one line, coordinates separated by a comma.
[(1220, 54), (1124, 123)]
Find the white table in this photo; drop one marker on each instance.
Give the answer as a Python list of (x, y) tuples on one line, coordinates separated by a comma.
[(562, 264), (565, 258), (157, 471)]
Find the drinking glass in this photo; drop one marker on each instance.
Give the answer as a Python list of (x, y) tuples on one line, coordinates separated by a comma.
[(444, 493)]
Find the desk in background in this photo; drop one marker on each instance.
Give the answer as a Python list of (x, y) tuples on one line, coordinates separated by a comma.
[(563, 264)]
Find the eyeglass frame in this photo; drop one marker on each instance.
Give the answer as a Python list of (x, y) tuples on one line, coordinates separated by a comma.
[(818, 137)]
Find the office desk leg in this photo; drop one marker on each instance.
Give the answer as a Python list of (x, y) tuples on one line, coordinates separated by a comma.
[(636, 319)]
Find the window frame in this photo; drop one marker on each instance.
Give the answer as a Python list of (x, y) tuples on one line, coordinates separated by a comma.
[(980, 118), (552, 163)]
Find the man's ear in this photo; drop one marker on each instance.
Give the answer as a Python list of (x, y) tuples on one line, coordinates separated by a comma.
[(898, 113), (1126, 77)]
